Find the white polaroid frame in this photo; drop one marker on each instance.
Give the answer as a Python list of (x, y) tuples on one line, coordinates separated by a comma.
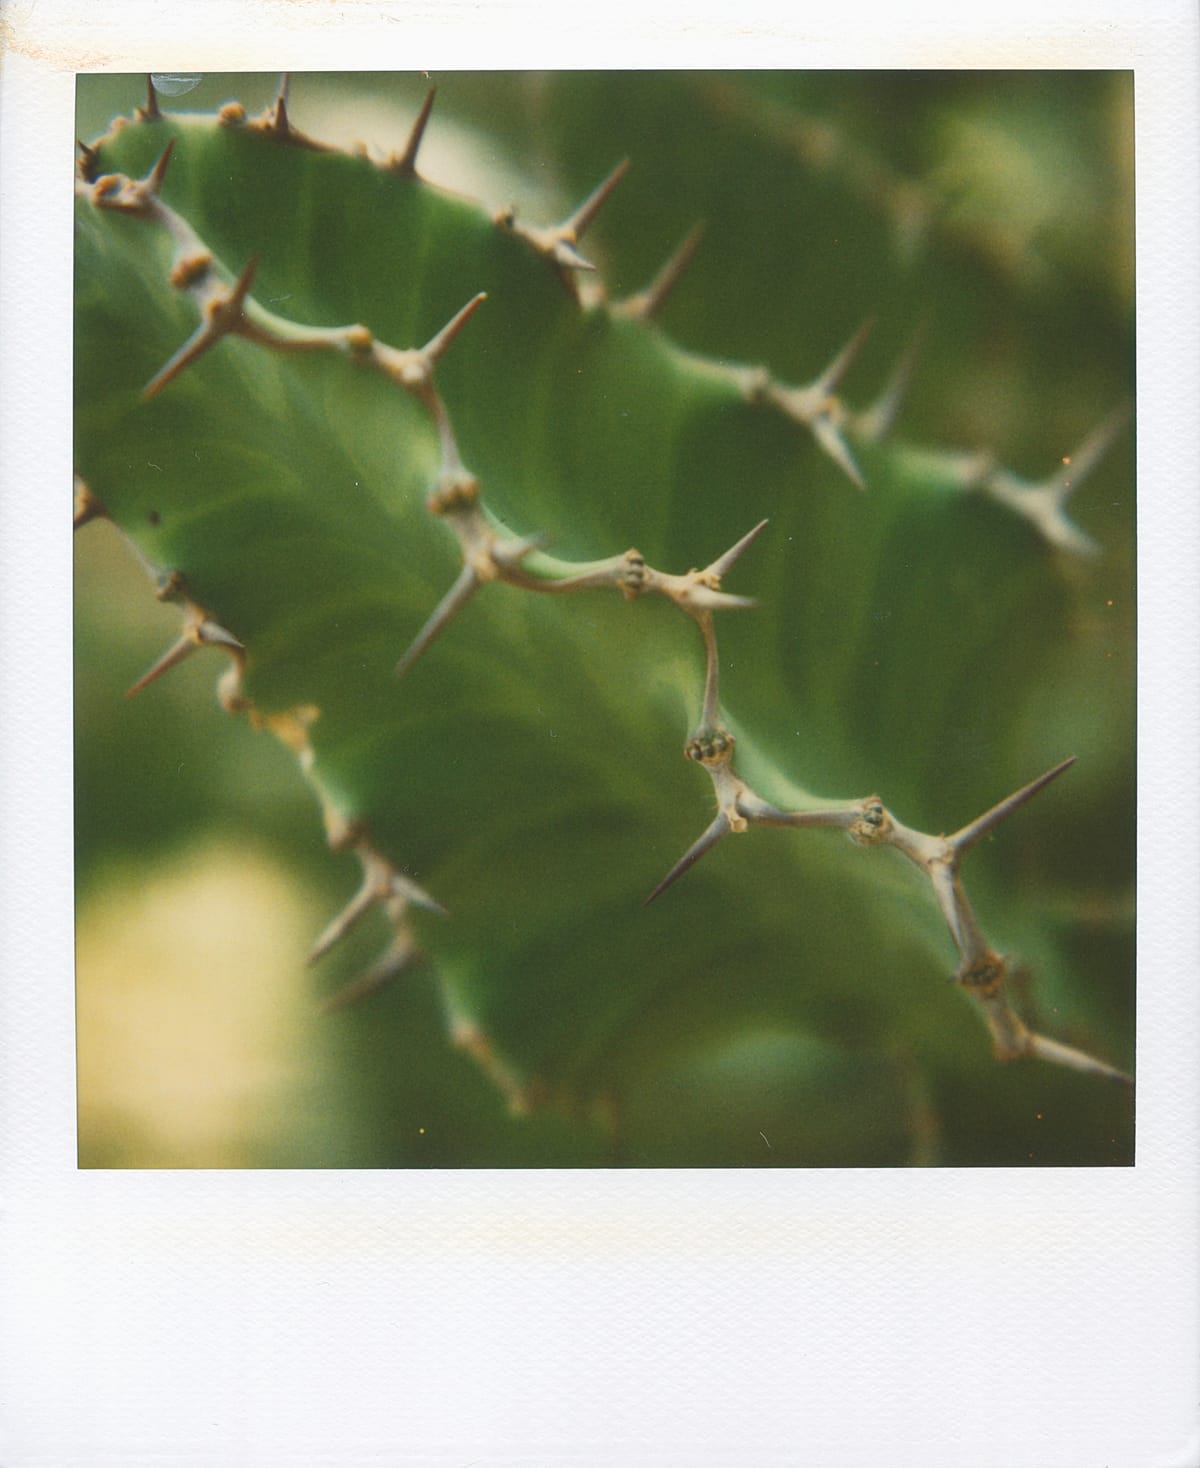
[(958, 1318)]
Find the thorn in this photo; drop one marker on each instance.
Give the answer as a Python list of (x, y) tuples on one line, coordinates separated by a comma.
[(451, 604), (87, 161), (170, 659), (723, 563), (963, 840), (381, 883), (279, 117), (559, 243), (816, 407), (132, 196), (400, 955), (829, 379), (198, 634), (195, 346), (1043, 1049), (646, 304), (274, 120), (153, 181), (720, 826), (1089, 454), (1043, 505), (879, 419), (405, 163), (705, 599), (354, 911), (241, 289), (223, 314), (564, 253), (211, 634), (574, 228), (150, 111), (955, 909), (410, 891), (829, 436), (437, 346)]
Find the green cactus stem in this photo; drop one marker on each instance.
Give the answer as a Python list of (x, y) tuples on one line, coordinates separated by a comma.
[(407, 553)]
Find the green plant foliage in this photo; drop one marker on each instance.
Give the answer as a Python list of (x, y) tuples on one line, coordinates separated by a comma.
[(933, 619)]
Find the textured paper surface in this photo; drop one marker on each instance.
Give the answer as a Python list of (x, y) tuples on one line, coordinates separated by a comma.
[(935, 1318)]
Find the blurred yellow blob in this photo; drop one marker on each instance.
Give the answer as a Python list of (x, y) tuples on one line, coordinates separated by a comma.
[(197, 1032)]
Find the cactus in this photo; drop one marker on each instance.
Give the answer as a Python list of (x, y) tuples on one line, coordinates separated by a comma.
[(487, 529)]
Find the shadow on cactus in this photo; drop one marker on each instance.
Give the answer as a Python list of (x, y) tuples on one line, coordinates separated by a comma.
[(799, 446)]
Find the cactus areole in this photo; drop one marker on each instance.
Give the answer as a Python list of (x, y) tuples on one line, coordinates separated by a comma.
[(488, 550)]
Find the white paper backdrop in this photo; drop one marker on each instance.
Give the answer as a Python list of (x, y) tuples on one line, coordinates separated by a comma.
[(953, 1318)]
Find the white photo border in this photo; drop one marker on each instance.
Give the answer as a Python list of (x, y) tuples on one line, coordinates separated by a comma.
[(940, 1317)]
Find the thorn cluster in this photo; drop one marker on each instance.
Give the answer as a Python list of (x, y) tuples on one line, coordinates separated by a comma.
[(559, 243), (817, 407), (1044, 505), (199, 630), (982, 972), (385, 887)]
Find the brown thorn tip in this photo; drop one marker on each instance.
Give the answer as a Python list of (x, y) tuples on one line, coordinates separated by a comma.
[(406, 163), (159, 171), (150, 112), (244, 281), (719, 827)]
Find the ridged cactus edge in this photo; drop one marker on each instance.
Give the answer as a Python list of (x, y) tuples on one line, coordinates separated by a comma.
[(486, 548)]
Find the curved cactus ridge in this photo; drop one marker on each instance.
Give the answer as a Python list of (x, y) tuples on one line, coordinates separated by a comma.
[(400, 506)]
